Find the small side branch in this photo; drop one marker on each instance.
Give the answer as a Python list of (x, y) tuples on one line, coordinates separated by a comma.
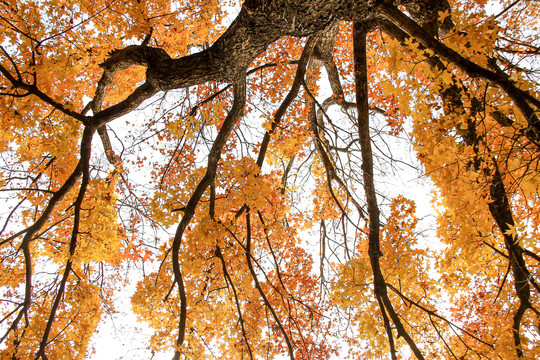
[(259, 288), (228, 280)]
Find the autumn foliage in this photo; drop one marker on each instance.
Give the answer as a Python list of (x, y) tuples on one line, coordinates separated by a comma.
[(235, 169)]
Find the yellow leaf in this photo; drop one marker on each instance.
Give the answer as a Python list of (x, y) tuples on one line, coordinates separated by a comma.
[(511, 231), (443, 15)]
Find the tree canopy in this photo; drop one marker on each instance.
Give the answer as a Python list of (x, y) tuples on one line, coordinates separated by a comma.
[(234, 162)]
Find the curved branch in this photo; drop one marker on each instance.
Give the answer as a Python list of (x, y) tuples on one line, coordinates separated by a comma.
[(189, 211), (85, 158), (293, 92), (38, 224), (522, 99), (361, 82), (33, 89), (228, 279), (435, 314), (259, 24), (260, 290)]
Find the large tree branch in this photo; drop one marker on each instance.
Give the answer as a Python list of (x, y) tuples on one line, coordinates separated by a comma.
[(499, 207), (259, 24), (361, 81), (523, 100)]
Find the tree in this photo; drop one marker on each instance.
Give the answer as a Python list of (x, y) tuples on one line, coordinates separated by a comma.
[(135, 151)]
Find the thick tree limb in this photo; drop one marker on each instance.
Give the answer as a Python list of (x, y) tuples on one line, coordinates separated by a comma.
[(360, 73), (522, 99)]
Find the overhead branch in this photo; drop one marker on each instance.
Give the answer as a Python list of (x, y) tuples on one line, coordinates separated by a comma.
[(19, 83), (249, 257), (291, 95), (433, 313), (228, 280), (324, 57), (30, 232), (259, 24), (85, 158), (189, 211), (523, 100), (453, 91), (315, 118), (360, 31), (499, 207)]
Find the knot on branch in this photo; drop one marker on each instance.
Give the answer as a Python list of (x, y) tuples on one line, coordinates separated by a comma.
[(134, 55), (426, 14), (153, 58), (375, 253)]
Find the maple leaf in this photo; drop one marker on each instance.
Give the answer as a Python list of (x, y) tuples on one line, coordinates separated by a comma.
[(511, 231), (443, 15)]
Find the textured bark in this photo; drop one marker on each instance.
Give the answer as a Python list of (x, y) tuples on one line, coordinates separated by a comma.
[(260, 23), (360, 31)]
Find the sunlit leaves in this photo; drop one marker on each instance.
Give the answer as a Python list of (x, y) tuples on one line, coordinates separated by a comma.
[(275, 253)]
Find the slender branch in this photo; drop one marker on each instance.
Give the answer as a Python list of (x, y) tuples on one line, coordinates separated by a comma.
[(189, 211), (388, 328), (360, 72), (30, 232), (331, 171), (13, 63), (531, 254), (509, 267), (293, 92), (434, 314), (33, 89), (259, 288), (506, 9), (238, 309), (86, 150), (193, 111)]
